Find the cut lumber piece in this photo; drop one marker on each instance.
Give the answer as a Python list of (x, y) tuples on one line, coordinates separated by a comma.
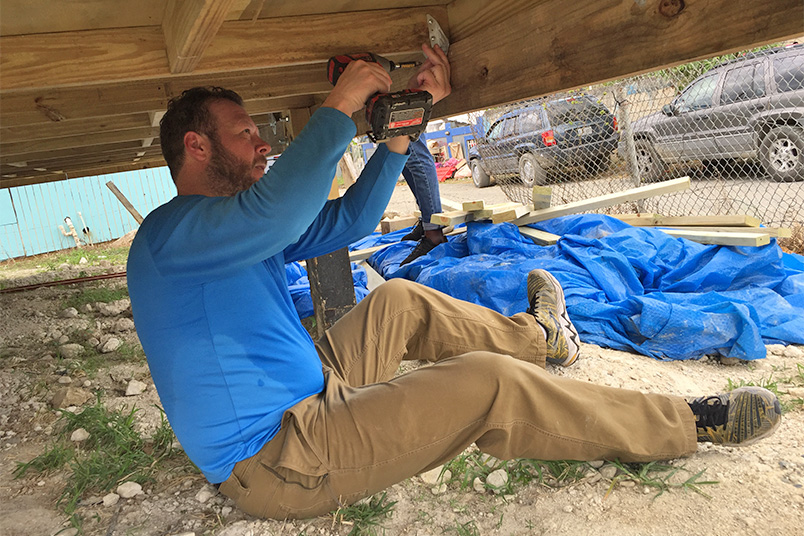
[(776, 232), (542, 197), (473, 205), (395, 224), (543, 238), (452, 218), (488, 211), (608, 200), (721, 238), (509, 214), (726, 220), (125, 202)]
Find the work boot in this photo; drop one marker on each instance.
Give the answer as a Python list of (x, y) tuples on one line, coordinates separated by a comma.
[(424, 247), (739, 417), (416, 233), (546, 299)]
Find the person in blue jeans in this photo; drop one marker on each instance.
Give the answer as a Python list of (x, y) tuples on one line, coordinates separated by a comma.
[(420, 174)]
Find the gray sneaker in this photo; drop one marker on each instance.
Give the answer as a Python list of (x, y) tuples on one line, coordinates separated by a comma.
[(546, 299), (739, 417)]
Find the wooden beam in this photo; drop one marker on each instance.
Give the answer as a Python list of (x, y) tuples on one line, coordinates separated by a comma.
[(574, 44), (776, 232), (22, 148), (594, 203), (121, 54), (125, 202), (394, 224), (721, 238), (189, 27), (75, 174), (542, 238), (726, 220)]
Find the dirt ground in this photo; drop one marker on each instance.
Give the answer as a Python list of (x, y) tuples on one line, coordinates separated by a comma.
[(759, 489)]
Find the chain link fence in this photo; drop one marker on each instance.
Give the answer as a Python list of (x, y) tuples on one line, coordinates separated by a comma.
[(733, 124)]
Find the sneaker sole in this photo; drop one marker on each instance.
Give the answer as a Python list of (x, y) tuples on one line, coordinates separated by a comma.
[(752, 415)]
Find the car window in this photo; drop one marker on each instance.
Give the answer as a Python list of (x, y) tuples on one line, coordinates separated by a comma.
[(789, 72), (699, 95), (495, 130), (743, 83), (510, 126), (530, 121), (573, 110)]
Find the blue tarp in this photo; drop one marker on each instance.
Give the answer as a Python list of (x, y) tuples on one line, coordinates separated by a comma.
[(299, 286), (627, 288)]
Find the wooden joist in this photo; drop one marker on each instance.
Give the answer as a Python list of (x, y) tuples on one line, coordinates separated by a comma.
[(542, 238), (721, 238), (608, 200), (647, 220), (394, 224), (541, 197)]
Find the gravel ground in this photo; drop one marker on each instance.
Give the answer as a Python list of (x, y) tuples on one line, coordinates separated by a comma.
[(760, 488)]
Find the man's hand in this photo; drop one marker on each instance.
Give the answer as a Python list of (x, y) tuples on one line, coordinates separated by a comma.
[(433, 75), (357, 83)]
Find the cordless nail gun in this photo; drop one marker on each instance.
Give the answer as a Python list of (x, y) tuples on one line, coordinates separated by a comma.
[(401, 113)]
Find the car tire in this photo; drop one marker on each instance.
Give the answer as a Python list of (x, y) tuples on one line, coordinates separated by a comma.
[(479, 175), (598, 164), (782, 154), (531, 173), (651, 166)]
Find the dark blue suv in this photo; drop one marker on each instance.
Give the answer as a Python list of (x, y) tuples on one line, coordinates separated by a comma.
[(532, 141)]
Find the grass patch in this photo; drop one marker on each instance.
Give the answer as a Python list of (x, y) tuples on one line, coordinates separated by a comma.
[(51, 261), (94, 295), (114, 452), (366, 516), (777, 386), (466, 529), (659, 476)]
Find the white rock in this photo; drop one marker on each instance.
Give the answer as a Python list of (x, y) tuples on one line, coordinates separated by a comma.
[(83, 260), (775, 349), (226, 510), (497, 480), (439, 489), (124, 324), (111, 499), (87, 308), (478, 485), (432, 477), (135, 387), (64, 339), (72, 531), (597, 464), (111, 345), (608, 472), (793, 352), (79, 435), (70, 312), (205, 494), (128, 490), (567, 508), (65, 380)]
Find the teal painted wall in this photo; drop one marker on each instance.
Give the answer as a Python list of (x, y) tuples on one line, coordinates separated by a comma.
[(30, 215)]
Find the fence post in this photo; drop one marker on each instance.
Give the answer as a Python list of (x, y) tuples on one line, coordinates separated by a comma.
[(630, 148)]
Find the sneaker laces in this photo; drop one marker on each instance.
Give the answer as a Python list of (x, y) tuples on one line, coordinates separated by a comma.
[(709, 411)]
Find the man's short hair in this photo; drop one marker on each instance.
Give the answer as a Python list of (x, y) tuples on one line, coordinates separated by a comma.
[(189, 112)]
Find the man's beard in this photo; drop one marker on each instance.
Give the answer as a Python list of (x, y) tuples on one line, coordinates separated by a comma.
[(226, 174)]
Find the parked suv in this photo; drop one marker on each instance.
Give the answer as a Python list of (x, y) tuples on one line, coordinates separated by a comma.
[(532, 141), (749, 109)]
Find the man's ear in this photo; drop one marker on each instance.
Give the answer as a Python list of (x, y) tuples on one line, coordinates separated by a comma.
[(197, 146)]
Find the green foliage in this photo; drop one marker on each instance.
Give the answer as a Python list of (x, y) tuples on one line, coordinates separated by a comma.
[(658, 476), (96, 294), (366, 516), (113, 453), (467, 529), (777, 387)]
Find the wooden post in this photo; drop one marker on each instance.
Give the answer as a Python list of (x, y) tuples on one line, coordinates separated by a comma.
[(119, 195), (331, 286)]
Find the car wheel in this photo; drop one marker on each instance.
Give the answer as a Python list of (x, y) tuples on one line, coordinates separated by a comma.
[(479, 176), (782, 154), (598, 164), (651, 166), (530, 171)]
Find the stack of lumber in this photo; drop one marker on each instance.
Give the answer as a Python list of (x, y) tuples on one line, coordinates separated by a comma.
[(727, 230)]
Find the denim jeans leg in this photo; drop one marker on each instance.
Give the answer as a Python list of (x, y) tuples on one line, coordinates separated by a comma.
[(420, 174)]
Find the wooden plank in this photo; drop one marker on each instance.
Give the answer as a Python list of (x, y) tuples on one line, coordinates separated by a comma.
[(581, 43), (541, 197), (395, 224), (22, 148), (487, 212), (450, 205), (126, 203), (726, 220), (189, 27), (542, 238), (509, 214), (469, 206), (121, 54), (594, 203), (721, 238), (451, 218), (775, 232)]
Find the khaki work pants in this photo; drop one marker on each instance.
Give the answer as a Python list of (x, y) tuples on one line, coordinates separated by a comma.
[(487, 385)]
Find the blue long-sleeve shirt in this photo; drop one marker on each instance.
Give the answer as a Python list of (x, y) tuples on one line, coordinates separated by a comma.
[(208, 289)]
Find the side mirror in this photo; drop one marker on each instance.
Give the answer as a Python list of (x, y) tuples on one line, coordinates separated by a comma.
[(669, 110)]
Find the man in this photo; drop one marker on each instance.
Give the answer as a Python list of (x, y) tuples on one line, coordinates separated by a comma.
[(289, 428)]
